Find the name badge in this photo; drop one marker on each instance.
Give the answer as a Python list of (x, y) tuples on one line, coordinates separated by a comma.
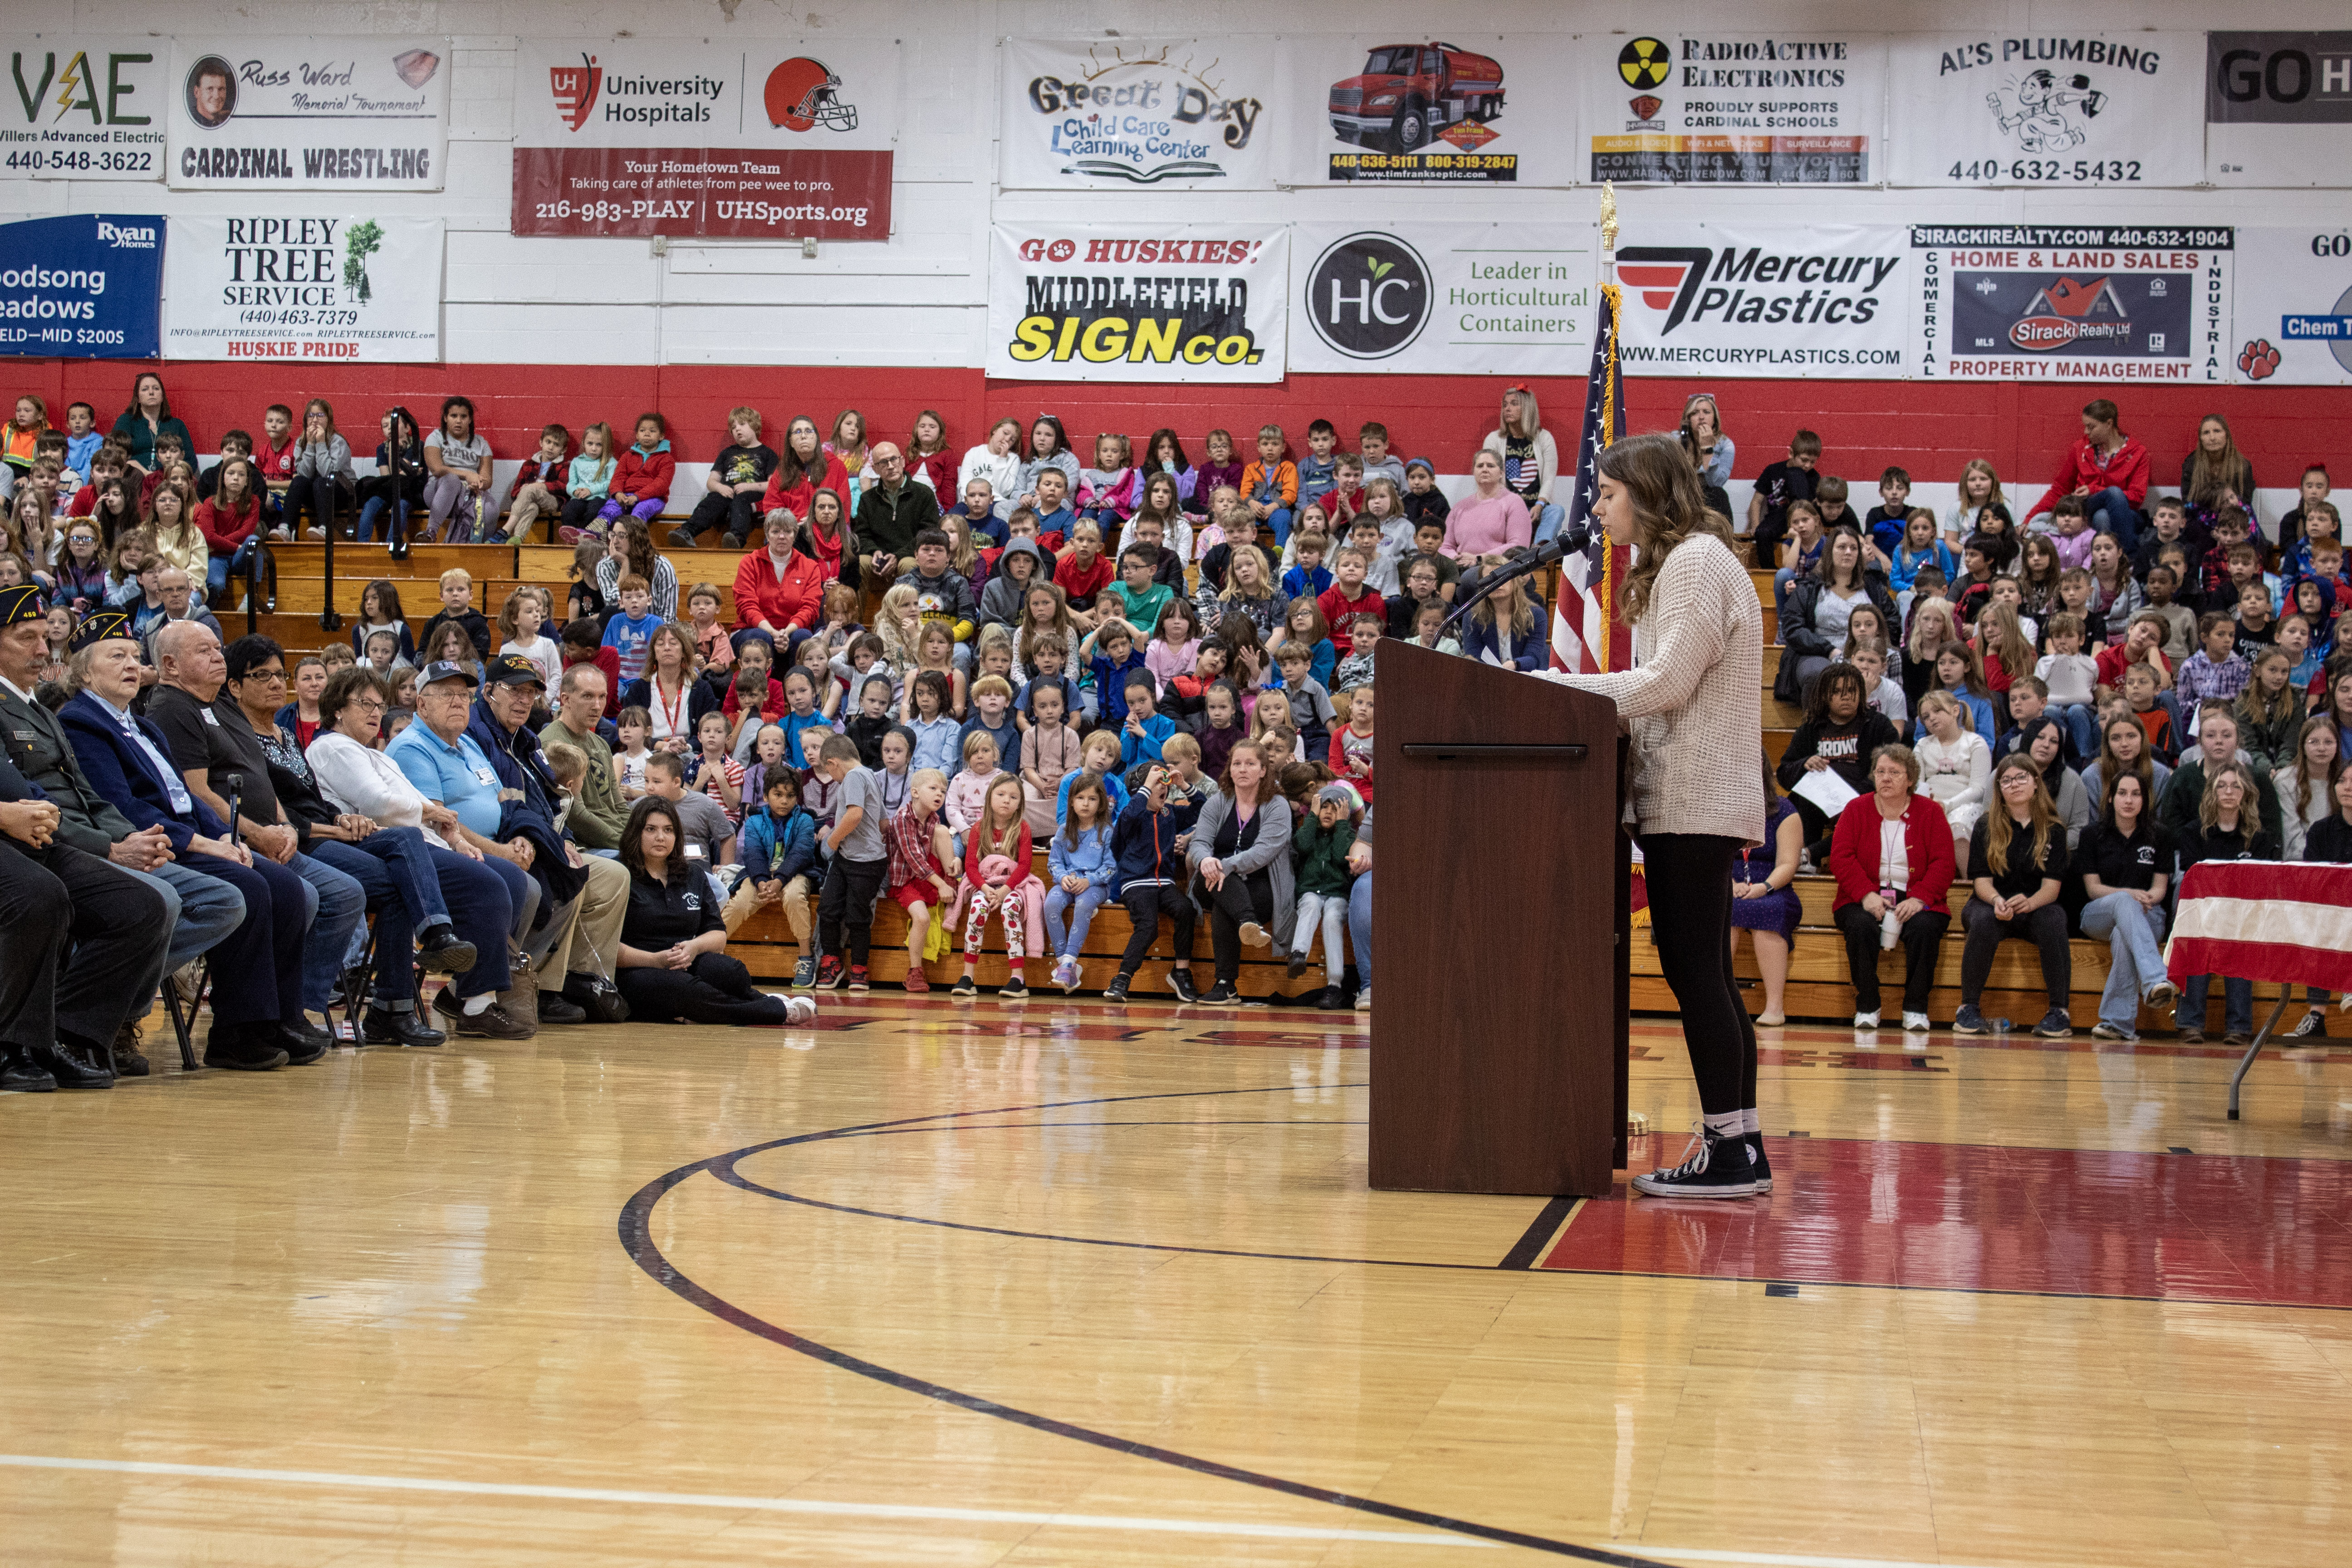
[(693, 852), (21, 737), (486, 775), (212, 718)]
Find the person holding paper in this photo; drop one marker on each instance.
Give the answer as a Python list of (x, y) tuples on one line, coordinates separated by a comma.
[(1841, 734)]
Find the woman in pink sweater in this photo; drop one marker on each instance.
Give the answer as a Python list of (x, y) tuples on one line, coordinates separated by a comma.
[(1489, 521)]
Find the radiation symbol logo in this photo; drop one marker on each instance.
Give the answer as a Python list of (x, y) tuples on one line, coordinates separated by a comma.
[(1644, 62)]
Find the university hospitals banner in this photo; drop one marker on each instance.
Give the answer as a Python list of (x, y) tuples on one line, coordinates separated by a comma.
[(2293, 324), (1740, 299), (1483, 108), (311, 284), (2278, 108), (1732, 108), (1444, 299), (1184, 302), (1122, 112), (2073, 302), (83, 108), (2055, 111), (256, 111), (89, 287), (782, 138)]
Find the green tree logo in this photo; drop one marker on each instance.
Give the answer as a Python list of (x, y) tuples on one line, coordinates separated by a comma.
[(364, 240)]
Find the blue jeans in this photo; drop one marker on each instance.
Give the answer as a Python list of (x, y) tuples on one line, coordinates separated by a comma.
[(2111, 512), (2135, 963), (1360, 927), (1329, 911), (338, 900), (220, 568), (395, 870), (1067, 940), (1279, 520), (1782, 581), (1549, 518), (2237, 1004), (203, 910), (2081, 726)]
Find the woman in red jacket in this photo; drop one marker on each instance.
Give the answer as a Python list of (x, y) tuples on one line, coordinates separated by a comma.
[(1892, 856), (2109, 470), (228, 520), (778, 591), (802, 468)]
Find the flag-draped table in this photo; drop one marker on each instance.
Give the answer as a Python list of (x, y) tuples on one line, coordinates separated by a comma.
[(2265, 920)]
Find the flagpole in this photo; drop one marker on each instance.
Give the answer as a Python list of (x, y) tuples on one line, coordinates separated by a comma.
[(1609, 435)]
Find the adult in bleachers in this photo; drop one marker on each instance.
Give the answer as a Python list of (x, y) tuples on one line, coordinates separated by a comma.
[(1893, 859), (2017, 864), (778, 590), (673, 946), (1711, 446), (2108, 469), (181, 603), (2044, 739), (1820, 603), (2127, 864), (890, 513), (149, 415), (2215, 475), (2124, 749), (1764, 899), (1488, 521), (630, 550), (1530, 459), (802, 468)]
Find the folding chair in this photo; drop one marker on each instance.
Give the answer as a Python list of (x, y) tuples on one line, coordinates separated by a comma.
[(183, 1015)]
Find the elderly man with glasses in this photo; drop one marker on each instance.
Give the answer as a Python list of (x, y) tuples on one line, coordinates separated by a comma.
[(891, 512)]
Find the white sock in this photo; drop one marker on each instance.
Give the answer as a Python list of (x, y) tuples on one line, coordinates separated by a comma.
[(1747, 1122), (476, 1006), (1724, 1125)]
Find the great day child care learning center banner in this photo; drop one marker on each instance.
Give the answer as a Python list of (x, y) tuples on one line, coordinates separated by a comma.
[(314, 283), (88, 287), (257, 110), (1186, 302), (1121, 112), (83, 106)]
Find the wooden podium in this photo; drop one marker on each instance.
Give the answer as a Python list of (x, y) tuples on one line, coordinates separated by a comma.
[(1500, 932)]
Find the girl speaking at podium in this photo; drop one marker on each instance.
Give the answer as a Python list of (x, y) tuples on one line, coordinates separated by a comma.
[(1693, 704)]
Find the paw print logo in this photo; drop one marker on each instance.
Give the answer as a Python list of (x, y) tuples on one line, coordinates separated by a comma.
[(2258, 360)]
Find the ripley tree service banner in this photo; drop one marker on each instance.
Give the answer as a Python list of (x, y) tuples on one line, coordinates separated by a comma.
[(2052, 302), (1747, 109), (1121, 112), (256, 111), (1444, 299), (80, 108), (2054, 110), (2278, 108), (305, 285), (1188, 302), (2294, 321), (1765, 301)]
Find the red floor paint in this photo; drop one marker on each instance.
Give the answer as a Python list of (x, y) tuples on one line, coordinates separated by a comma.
[(1968, 1217)]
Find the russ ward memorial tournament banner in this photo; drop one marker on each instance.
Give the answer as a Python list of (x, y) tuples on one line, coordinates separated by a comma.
[(1188, 302), (254, 110)]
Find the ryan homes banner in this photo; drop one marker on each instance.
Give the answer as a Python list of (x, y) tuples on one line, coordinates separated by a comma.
[(89, 287), (1198, 302), (2052, 112), (254, 110), (2073, 302), (1741, 299), (78, 107)]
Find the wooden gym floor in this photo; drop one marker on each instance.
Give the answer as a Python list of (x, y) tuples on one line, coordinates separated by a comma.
[(1058, 1282)]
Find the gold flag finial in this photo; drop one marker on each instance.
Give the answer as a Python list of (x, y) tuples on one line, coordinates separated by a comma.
[(1607, 214)]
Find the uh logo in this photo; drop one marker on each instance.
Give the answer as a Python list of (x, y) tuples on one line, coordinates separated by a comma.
[(576, 89)]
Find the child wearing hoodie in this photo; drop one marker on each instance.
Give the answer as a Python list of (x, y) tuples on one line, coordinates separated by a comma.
[(1018, 564), (1322, 842), (777, 848), (1083, 869), (641, 482), (588, 484)]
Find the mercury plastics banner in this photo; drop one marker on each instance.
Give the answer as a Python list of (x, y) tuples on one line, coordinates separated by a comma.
[(1513, 299), (1766, 300), (2073, 302), (254, 111), (1188, 302), (1733, 108), (2294, 319), (2278, 108), (2054, 110), (83, 108), (310, 284), (1122, 112)]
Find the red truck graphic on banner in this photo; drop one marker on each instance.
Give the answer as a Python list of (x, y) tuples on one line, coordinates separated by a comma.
[(1410, 93)]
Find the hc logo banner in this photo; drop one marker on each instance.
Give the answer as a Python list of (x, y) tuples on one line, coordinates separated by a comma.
[(89, 287), (576, 89)]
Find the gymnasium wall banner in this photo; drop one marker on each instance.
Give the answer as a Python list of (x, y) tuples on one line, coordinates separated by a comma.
[(1759, 299), (311, 285), (88, 287), (254, 110), (1410, 109), (1732, 108), (2293, 325), (1158, 302), (1116, 113), (786, 139), (2047, 110), (2073, 302), (1513, 299), (2278, 108), (83, 108)]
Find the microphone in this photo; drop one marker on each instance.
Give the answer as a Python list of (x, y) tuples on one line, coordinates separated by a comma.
[(1558, 548), (235, 783)]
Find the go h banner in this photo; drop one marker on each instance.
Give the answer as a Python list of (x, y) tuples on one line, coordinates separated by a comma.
[(1106, 302)]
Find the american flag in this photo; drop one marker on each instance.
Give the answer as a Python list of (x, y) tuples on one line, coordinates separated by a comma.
[(1586, 637)]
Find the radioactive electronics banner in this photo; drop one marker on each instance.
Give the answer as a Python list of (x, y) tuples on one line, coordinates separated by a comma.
[(83, 108), (2073, 302), (254, 111), (1733, 108), (89, 287), (2293, 324), (2050, 110), (1513, 299), (1743, 299), (1185, 302), (1485, 108), (2278, 108), (1119, 112), (311, 284)]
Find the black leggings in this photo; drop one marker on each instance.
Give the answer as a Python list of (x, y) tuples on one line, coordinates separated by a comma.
[(1921, 935), (2045, 928), (715, 989), (1688, 877), (1237, 900), (737, 514), (1146, 902), (316, 496), (844, 907), (581, 511)]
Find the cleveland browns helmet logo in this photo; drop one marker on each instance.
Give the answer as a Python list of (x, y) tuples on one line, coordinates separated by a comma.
[(803, 93)]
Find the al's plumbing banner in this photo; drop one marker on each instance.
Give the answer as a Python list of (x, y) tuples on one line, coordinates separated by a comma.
[(2294, 319), (83, 108), (2054, 302), (1732, 108), (308, 285), (2056, 111), (2278, 108), (253, 110), (782, 139), (1485, 110), (1765, 301), (1122, 112), (1184, 302), (88, 287), (1511, 300)]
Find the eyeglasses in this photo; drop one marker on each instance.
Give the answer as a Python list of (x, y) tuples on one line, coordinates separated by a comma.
[(367, 704), (274, 677)]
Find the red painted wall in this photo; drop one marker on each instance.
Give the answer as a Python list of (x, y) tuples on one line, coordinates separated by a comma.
[(1929, 427)]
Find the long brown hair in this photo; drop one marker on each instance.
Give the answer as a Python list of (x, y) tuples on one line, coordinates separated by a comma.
[(1668, 507), (2250, 804), (1999, 826), (2112, 767), (2257, 708), (632, 837), (2208, 475), (1999, 636), (2317, 725)]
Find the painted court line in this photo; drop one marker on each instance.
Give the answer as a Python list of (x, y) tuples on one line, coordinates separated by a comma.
[(1777, 1560), (867, 1511)]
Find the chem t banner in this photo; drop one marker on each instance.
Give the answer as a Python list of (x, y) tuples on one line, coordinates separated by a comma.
[(88, 287)]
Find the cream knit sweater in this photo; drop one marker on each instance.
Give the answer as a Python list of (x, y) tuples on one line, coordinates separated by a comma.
[(1693, 701)]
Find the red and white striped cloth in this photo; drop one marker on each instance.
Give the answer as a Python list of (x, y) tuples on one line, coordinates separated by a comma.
[(2287, 922)]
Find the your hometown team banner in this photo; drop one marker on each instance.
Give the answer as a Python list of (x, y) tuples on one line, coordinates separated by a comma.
[(1481, 108), (1183, 302), (1742, 300), (2278, 108), (1444, 299), (257, 110), (83, 108), (312, 284), (1671, 108), (1119, 112), (2048, 111), (2293, 323), (782, 138), (89, 287)]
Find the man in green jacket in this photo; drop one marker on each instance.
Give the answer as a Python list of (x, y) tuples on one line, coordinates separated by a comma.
[(597, 815), (889, 515)]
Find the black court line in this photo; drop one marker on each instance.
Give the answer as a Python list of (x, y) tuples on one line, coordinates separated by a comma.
[(1523, 1251), (636, 1239)]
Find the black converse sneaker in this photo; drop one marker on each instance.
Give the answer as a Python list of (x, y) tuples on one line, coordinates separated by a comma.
[(1761, 1166), (1720, 1165)]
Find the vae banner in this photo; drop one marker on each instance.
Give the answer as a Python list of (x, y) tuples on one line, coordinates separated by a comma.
[(1740, 299), (256, 111), (2073, 302), (2278, 108), (83, 108), (311, 286), (1407, 111), (1747, 109), (2055, 110), (1505, 300), (2294, 321), (1104, 302), (1121, 112), (89, 287)]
